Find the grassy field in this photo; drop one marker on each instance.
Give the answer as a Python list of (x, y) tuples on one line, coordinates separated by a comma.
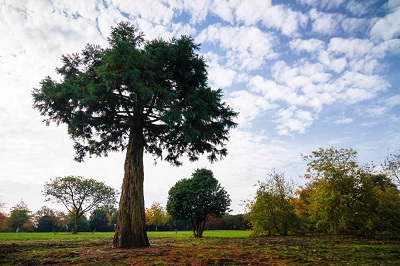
[(108, 235), (216, 248)]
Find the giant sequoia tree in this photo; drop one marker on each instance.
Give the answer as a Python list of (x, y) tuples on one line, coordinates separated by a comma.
[(137, 96)]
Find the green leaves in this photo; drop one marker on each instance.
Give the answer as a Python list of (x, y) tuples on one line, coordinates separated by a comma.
[(158, 88), (78, 194), (344, 196), (272, 210), (198, 198)]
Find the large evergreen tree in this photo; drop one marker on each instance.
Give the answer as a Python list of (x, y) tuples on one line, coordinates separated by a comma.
[(137, 96)]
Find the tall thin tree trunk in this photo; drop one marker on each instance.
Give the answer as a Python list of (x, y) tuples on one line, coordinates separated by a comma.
[(130, 231)]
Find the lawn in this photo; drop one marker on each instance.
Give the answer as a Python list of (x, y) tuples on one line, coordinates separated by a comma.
[(66, 236), (216, 248)]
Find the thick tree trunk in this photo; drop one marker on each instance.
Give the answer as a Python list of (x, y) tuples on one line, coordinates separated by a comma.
[(194, 228), (130, 231), (198, 228)]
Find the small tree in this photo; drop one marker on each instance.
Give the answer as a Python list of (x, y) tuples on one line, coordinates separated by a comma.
[(156, 215), (3, 222), (392, 167), (44, 219), (19, 218), (99, 221), (198, 198), (272, 210), (3, 217), (79, 195), (45, 223), (2, 204)]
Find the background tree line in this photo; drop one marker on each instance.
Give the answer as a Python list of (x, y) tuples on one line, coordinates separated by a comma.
[(103, 220), (21, 219), (341, 196)]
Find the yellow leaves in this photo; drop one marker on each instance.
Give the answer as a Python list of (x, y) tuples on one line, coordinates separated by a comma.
[(156, 214)]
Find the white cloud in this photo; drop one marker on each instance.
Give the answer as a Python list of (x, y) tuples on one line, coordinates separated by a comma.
[(392, 101), (247, 48), (376, 110), (332, 63), (276, 17), (365, 66), (355, 25), (284, 19), (293, 120), (223, 9), (302, 73), (239, 100), (325, 23), (344, 121), (309, 85), (151, 10), (250, 12), (197, 9), (338, 141), (359, 7), (357, 87), (351, 48), (298, 86), (219, 76), (328, 4), (310, 45), (387, 27), (386, 48)]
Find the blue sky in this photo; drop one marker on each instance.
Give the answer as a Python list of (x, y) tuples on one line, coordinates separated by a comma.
[(303, 74)]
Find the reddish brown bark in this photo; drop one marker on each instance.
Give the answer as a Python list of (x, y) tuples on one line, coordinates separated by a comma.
[(130, 231)]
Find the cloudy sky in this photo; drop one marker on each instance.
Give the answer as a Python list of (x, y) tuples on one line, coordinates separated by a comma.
[(303, 74)]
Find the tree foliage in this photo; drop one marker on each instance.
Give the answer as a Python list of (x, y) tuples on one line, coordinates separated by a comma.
[(81, 224), (46, 219), (341, 196), (19, 219), (344, 196), (392, 167), (3, 217), (156, 215), (272, 210), (198, 198), (99, 221), (79, 195), (137, 96)]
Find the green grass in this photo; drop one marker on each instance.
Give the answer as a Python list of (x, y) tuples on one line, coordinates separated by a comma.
[(45, 236), (181, 248), (98, 235), (216, 233)]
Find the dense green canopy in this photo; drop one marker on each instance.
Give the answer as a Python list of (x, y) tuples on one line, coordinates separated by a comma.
[(197, 199), (157, 87)]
